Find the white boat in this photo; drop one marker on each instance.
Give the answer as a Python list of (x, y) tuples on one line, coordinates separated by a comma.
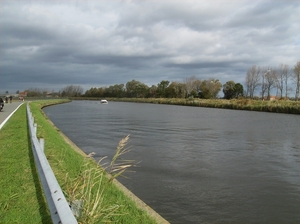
[(103, 102)]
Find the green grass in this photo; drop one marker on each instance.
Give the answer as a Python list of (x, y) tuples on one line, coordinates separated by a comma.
[(22, 200), (21, 196)]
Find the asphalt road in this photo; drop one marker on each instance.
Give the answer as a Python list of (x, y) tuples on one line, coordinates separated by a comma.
[(8, 110)]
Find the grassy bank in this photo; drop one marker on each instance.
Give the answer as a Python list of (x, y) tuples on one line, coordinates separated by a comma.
[(276, 106), (72, 169), (21, 199)]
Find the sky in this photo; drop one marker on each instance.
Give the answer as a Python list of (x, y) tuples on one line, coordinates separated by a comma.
[(50, 44)]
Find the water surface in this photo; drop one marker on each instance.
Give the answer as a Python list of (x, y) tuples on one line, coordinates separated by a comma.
[(197, 165)]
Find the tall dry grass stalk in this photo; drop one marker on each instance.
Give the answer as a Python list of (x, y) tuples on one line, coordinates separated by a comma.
[(87, 191), (118, 165)]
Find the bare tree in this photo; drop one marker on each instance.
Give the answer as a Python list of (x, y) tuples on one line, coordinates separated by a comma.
[(263, 83), (282, 77), (286, 76), (71, 91), (270, 78), (192, 85), (189, 84), (296, 79), (286, 79), (36, 92), (252, 80)]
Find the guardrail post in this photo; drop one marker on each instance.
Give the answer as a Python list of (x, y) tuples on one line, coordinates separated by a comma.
[(42, 144), (34, 129)]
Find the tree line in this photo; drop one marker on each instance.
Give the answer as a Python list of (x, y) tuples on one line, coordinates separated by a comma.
[(257, 79), (67, 91), (265, 79), (261, 80), (191, 87)]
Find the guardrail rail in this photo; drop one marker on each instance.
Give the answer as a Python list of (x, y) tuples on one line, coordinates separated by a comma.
[(58, 205)]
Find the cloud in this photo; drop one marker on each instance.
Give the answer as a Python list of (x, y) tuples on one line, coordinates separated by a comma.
[(51, 44)]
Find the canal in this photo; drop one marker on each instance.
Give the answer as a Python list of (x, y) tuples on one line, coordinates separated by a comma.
[(196, 165)]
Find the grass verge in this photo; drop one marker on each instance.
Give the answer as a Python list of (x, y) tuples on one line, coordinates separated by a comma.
[(21, 196)]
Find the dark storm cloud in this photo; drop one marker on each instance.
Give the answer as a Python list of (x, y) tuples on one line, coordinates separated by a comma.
[(51, 44), (131, 62), (27, 33)]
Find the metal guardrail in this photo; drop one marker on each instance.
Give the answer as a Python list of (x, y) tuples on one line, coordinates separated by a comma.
[(58, 205)]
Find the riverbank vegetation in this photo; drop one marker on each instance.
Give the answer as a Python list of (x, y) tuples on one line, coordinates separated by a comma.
[(80, 177), (276, 106)]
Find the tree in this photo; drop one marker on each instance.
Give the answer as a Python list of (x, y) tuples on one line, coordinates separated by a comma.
[(270, 81), (161, 88), (172, 91), (252, 80), (34, 92), (72, 91), (95, 92), (282, 79), (181, 90), (286, 79), (296, 78), (232, 90), (131, 88), (136, 89), (229, 90), (263, 83), (210, 88), (176, 90), (114, 91), (109, 92), (239, 90), (142, 90), (152, 91), (192, 85), (119, 90)]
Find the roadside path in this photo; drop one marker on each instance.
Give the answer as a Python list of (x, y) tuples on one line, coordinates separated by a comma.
[(7, 112)]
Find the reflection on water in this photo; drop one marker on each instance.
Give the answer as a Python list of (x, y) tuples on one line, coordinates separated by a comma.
[(197, 165)]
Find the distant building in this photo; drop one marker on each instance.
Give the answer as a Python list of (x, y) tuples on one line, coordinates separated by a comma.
[(23, 94), (51, 94), (274, 98)]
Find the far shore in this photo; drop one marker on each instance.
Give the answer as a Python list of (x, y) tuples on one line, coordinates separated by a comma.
[(274, 106)]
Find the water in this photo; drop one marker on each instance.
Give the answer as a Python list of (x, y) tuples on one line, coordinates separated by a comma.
[(197, 165)]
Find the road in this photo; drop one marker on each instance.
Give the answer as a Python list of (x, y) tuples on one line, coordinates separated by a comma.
[(8, 110)]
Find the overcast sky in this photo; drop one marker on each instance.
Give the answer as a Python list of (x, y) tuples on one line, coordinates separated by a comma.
[(51, 44)]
